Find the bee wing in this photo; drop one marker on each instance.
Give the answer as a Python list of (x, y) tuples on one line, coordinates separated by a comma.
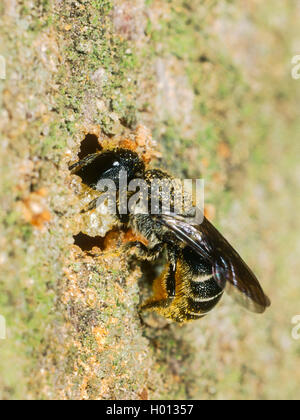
[(229, 269), (241, 283)]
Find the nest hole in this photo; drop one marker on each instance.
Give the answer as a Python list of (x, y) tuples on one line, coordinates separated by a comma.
[(87, 243), (89, 145), (112, 240)]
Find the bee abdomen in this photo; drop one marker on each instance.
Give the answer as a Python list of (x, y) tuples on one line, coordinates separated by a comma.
[(205, 294), (206, 288), (193, 316), (202, 306)]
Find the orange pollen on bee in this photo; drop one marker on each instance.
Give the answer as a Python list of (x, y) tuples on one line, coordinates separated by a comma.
[(130, 236)]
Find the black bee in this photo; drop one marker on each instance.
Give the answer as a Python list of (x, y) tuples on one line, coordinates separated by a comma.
[(201, 263)]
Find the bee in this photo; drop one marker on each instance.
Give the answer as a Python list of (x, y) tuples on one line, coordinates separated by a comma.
[(201, 264)]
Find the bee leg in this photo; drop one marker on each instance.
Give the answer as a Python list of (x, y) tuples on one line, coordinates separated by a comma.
[(142, 252), (164, 287), (91, 206), (170, 279)]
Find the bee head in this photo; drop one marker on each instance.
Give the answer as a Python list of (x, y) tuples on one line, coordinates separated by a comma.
[(111, 165)]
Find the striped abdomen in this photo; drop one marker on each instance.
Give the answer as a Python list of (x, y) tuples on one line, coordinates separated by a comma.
[(204, 295)]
